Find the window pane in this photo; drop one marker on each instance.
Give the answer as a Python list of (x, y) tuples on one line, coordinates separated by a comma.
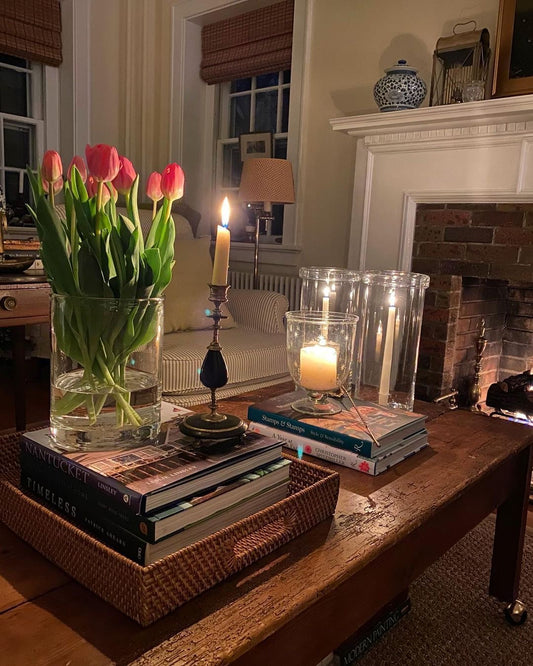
[(13, 97), (267, 80), (277, 222), (266, 106), (240, 115), (280, 149), (285, 110), (231, 174), (17, 146), (12, 60), (287, 76), (240, 85)]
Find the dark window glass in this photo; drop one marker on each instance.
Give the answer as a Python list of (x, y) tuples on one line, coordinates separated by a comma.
[(277, 222), (267, 80), (285, 111), (13, 98), (240, 116), (280, 149), (232, 166), (12, 60), (266, 106), (287, 76), (240, 85), (17, 145)]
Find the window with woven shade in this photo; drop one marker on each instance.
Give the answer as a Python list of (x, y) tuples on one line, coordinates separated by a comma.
[(254, 99)]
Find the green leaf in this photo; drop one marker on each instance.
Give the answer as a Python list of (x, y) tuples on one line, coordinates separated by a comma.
[(91, 278)]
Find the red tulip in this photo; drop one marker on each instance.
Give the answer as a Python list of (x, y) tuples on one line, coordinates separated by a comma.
[(153, 186), (51, 167), (92, 190), (172, 181), (103, 162), (125, 177), (77, 162), (57, 185)]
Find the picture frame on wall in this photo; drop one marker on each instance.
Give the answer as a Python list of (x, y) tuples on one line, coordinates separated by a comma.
[(255, 144), (513, 59)]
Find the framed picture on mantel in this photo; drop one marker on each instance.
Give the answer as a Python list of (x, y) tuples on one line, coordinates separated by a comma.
[(513, 62)]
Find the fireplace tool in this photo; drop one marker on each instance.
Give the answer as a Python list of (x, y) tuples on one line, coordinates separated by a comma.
[(474, 393), (214, 375)]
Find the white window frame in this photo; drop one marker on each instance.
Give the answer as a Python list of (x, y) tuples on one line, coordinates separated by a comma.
[(194, 110)]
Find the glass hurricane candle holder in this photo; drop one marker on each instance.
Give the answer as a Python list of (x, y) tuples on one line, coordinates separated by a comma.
[(392, 304), (319, 355)]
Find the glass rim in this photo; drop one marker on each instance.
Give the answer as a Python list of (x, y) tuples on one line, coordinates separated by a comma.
[(330, 272), (319, 316), (393, 278), (107, 299)]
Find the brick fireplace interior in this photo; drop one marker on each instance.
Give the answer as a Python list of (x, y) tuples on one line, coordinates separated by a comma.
[(480, 261)]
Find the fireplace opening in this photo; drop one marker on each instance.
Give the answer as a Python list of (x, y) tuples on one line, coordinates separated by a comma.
[(477, 329)]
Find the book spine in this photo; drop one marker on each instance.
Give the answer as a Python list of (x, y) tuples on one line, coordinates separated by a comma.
[(115, 537), (86, 497), (332, 438), (70, 469), (318, 449)]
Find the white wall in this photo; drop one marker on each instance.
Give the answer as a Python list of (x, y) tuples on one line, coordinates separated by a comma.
[(352, 42)]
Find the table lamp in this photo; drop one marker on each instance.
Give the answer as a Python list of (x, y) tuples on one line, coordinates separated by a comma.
[(265, 181)]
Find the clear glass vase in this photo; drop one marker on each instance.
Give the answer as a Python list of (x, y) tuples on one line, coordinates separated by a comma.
[(392, 304), (105, 372), (319, 355)]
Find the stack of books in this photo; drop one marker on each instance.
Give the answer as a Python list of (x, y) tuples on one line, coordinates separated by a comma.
[(343, 438), (151, 501)]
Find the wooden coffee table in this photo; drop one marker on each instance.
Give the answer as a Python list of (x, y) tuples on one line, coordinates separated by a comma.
[(296, 605)]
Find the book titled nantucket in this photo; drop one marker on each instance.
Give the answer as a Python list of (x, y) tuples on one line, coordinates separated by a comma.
[(344, 430)]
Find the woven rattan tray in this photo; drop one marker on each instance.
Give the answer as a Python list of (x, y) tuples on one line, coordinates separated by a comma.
[(148, 593)]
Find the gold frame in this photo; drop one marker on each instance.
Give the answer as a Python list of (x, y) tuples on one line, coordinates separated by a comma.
[(502, 84)]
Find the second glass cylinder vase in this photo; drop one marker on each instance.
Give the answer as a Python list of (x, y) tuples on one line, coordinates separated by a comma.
[(105, 372)]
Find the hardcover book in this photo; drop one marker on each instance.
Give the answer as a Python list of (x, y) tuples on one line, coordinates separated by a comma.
[(153, 476), (47, 483), (344, 430), (373, 466), (137, 549)]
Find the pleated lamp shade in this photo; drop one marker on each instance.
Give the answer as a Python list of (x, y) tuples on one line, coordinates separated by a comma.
[(266, 180)]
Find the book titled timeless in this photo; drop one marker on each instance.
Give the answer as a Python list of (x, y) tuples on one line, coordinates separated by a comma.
[(345, 429), (373, 466), (152, 476)]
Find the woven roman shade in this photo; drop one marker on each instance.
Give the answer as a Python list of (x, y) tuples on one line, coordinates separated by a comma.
[(31, 29), (253, 43)]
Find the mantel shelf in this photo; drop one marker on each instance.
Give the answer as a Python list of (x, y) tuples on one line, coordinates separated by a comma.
[(470, 114)]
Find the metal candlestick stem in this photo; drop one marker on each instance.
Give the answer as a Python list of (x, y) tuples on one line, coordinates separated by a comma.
[(214, 375), (475, 388)]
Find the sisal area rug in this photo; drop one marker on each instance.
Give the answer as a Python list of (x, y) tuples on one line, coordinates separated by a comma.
[(453, 621)]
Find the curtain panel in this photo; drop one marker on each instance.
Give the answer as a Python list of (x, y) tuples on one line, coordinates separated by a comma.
[(31, 29), (253, 43)]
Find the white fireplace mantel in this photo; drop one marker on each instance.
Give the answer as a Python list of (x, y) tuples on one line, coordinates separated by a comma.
[(472, 152)]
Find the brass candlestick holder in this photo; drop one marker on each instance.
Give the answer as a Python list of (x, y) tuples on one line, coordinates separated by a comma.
[(214, 375)]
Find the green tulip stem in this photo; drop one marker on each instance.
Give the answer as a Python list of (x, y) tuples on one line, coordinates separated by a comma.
[(99, 195), (154, 209), (51, 193)]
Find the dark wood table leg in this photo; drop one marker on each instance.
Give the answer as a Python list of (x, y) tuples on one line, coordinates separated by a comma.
[(19, 363), (509, 534)]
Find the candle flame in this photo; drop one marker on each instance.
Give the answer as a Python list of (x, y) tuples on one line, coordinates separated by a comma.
[(392, 298), (326, 292), (225, 212)]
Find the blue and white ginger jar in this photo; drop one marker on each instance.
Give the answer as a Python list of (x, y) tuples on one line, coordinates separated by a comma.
[(400, 88)]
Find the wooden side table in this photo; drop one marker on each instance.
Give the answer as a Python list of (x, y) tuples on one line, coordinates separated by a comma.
[(24, 299)]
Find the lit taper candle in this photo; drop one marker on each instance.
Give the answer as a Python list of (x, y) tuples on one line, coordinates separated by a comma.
[(222, 246)]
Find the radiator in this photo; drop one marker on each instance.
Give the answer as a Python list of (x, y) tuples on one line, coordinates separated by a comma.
[(288, 285)]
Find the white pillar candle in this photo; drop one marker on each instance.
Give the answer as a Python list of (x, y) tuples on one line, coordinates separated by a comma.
[(379, 337), (318, 368), (222, 247), (21, 182), (384, 384)]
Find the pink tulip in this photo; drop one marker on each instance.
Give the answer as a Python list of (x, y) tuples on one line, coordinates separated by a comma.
[(125, 177), (57, 185), (172, 181), (92, 190), (77, 162), (153, 186), (103, 162), (51, 167)]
